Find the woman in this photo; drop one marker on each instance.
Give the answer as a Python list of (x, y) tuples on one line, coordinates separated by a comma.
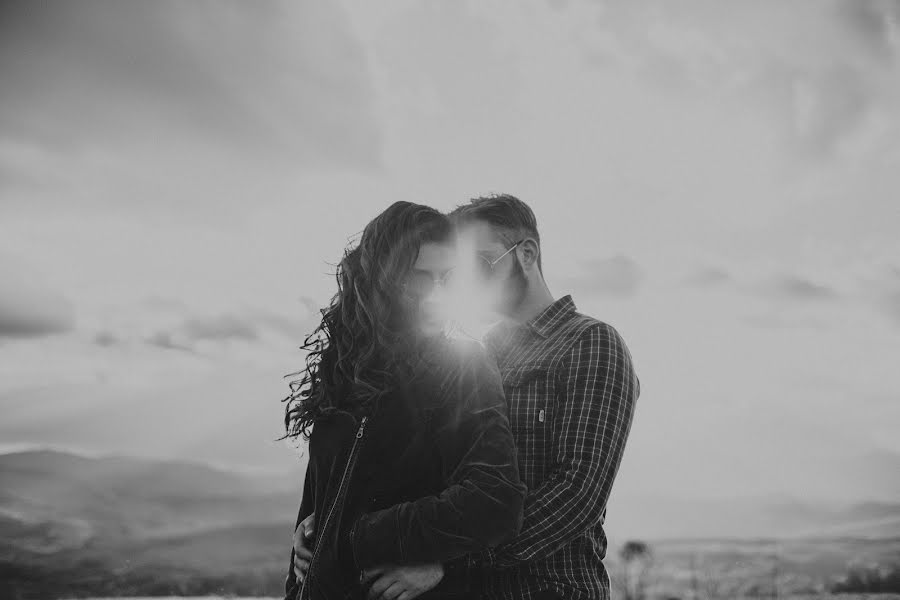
[(411, 456)]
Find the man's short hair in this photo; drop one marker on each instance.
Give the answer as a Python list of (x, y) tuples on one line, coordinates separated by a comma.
[(511, 218)]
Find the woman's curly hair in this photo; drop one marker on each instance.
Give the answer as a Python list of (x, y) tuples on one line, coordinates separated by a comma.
[(365, 341)]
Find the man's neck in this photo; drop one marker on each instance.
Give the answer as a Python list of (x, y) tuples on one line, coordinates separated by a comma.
[(537, 299)]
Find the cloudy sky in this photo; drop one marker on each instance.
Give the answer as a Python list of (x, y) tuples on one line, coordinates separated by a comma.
[(717, 180)]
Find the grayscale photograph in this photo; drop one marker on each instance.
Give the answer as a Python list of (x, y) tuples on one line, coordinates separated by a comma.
[(450, 299)]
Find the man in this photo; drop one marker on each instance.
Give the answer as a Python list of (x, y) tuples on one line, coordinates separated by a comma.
[(571, 389)]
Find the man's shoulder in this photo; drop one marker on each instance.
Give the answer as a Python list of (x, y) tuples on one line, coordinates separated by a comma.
[(584, 337), (583, 327)]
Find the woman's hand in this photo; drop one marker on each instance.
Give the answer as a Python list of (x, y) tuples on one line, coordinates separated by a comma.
[(401, 583), (302, 552)]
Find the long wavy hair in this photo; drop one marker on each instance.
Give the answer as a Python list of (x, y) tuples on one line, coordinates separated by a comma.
[(365, 342)]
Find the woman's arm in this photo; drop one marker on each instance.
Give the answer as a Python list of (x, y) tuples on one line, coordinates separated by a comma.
[(482, 504)]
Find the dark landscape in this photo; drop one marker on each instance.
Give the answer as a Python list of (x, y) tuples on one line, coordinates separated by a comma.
[(73, 526)]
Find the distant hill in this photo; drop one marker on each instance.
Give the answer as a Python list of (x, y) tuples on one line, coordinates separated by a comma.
[(51, 500), (654, 517), (243, 560), (138, 476), (74, 525), (810, 567)]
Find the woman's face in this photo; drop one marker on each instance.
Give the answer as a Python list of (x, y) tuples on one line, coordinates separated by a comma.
[(425, 285)]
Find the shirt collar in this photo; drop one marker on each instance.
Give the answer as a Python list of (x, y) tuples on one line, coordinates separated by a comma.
[(547, 320)]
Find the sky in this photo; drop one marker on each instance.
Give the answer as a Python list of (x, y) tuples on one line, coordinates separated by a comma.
[(718, 181)]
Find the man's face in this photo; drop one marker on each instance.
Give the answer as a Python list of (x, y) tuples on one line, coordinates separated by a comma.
[(496, 271)]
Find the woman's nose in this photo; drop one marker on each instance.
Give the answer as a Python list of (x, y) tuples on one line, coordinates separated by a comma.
[(436, 300)]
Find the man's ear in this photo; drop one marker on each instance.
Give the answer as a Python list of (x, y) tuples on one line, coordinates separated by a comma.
[(529, 250)]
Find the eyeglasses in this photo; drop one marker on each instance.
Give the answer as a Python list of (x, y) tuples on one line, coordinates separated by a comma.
[(421, 284), (486, 266)]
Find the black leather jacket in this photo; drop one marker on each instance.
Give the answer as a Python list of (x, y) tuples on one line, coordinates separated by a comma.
[(433, 476)]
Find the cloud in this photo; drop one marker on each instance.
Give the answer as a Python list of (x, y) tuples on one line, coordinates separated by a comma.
[(249, 325), (794, 302), (174, 324), (790, 287), (105, 339), (276, 80), (310, 305), (876, 23), (883, 291), (164, 340), (615, 276), (777, 321), (29, 309), (223, 327), (216, 329), (292, 328), (708, 277), (26, 314), (891, 305), (164, 304), (819, 69), (797, 288)]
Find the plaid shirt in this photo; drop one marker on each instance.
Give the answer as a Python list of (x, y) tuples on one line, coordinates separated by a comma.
[(571, 389)]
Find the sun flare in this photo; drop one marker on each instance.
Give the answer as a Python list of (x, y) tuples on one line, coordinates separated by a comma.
[(466, 302)]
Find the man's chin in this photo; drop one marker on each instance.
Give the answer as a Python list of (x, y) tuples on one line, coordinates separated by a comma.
[(505, 308)]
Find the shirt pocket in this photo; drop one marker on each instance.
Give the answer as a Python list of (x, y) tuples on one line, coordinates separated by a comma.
[(530, 398)]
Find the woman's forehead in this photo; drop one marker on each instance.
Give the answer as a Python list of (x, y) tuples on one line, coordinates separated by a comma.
[(436, 257)]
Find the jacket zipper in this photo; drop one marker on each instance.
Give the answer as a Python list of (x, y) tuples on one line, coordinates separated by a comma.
[(351, 460)]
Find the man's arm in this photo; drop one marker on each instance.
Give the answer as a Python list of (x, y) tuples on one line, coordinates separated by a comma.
[(594, 416)]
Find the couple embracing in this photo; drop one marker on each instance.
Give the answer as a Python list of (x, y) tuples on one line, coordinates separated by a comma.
[(441, 466)]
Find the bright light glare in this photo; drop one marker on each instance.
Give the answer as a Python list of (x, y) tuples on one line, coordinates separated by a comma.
[(467, 301)]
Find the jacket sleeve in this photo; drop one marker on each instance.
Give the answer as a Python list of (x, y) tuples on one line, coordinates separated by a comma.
[(599, 392), (291, 585), (482, 503)]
